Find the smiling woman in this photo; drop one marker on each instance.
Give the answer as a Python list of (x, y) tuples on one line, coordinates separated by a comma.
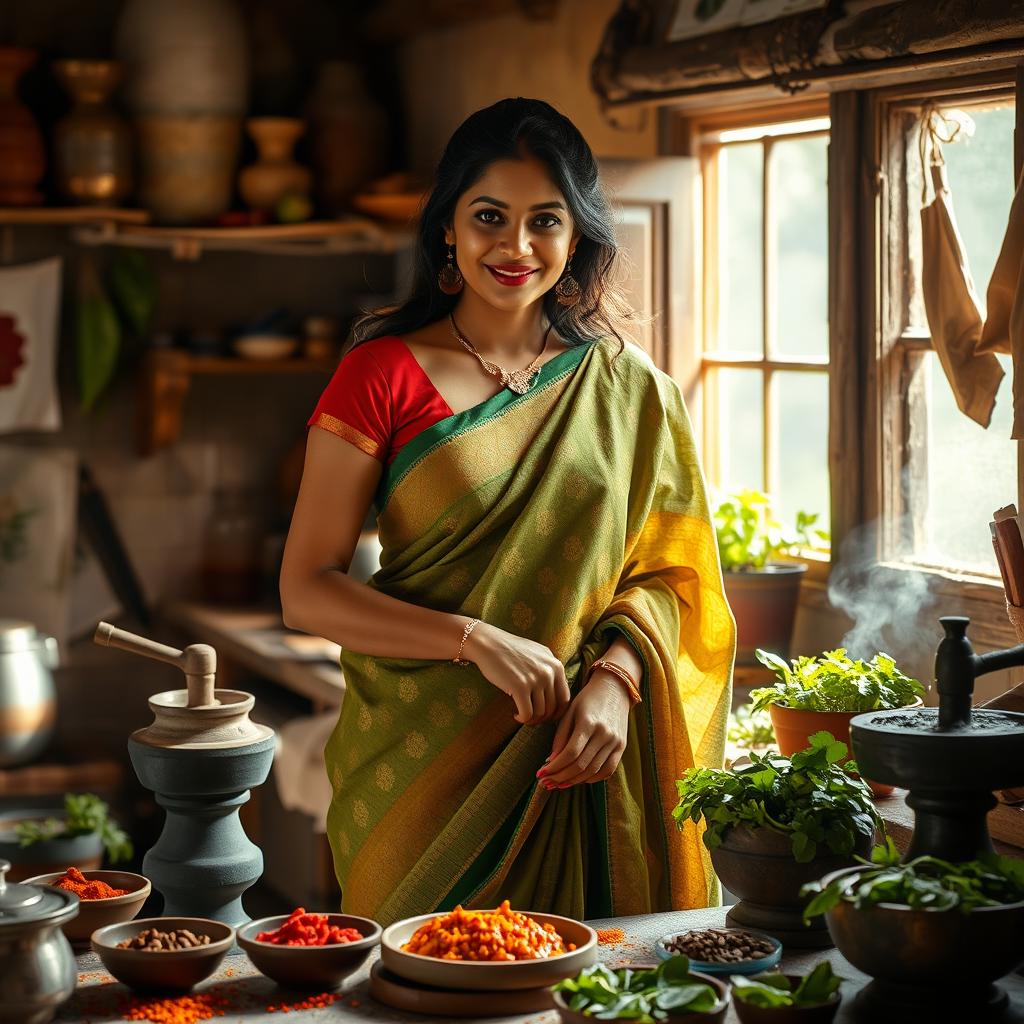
[(549, 608)]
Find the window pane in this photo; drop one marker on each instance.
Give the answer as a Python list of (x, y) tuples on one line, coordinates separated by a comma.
[(980, 173), (800, 416), (799, 202), (739, 430), (740, 246), (969, 473)]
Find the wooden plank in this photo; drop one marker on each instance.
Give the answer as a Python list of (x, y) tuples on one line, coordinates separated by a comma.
[(61, 215)]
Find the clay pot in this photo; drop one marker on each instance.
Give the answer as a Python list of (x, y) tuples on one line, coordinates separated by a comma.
[(763, 602), (757, 865), (187, 166), (348, 134), (92, 144), (794, 728), (275, 174), (22, 157), (186, 57)]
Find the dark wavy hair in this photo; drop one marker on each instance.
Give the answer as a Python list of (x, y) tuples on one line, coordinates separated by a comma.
[(510, 130)]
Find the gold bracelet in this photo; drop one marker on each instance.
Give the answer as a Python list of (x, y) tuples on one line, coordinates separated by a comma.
[(622, 675), (466, 630)]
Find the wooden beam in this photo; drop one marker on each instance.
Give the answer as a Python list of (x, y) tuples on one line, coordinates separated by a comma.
[(632, 65)]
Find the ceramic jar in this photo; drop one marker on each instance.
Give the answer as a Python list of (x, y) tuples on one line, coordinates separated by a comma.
[(37, 967), (22, 157), (28, 700), (186, 82), (348, 134), (92, 144), (275, 174)]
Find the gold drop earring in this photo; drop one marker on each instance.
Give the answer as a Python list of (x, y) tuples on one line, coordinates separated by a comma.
[(567, 291), (449, 277)]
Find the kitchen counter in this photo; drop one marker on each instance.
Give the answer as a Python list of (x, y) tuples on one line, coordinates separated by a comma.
[(96, 1002)]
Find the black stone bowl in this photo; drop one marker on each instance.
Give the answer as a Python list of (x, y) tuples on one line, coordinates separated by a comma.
[(924, 956)]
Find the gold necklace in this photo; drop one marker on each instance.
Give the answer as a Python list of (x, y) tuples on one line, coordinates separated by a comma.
[(519, 381)]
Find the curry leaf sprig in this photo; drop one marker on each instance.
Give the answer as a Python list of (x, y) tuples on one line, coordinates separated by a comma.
[(775, 989), (835, 682), (808, 796), (83, 813), (924, 883), (644, 996)]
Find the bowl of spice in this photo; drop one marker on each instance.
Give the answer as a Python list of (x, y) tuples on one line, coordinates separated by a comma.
[(723, 950), (163, 953), (105, 897), (488, 949), (309, 950)]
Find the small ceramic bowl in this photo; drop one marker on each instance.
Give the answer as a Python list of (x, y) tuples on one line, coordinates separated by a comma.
[(765, 963), (822, 1013), (265, 346), (163, 970), (93, 914), (714, 1016), (320, 967)]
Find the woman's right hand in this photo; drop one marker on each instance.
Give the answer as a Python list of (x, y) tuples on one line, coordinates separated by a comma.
[(524, 669)]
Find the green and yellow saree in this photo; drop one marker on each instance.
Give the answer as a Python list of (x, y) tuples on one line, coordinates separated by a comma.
[(566, 515)]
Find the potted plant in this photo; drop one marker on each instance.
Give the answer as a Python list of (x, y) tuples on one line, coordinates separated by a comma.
[(826, 692), (761, 590), (37, 842), (776, 824), (932, 933), (748, 730)]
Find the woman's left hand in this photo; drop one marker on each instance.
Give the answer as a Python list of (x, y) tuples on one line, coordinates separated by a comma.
[(591, 735)]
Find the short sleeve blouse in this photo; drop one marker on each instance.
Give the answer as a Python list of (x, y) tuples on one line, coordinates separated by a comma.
[(379, 399)]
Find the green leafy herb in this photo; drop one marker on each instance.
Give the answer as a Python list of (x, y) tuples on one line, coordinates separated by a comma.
[(84, 813), (924, 883), (834, 682), (749, 535), (774, 990), (808, 796), (749, 729), (645, 996)]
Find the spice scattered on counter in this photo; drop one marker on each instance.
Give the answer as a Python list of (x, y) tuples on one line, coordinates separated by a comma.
[(720, 945), (316, 1002), (153, 941), (502, 934), (302, 929), (179, 1010), (610, 936), (84, 888)]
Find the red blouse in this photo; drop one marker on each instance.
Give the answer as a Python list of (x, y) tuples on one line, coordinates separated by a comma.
[(379, 399)]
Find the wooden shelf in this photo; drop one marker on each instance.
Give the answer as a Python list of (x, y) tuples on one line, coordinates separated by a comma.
[(312, 238), (167, 375), (14, 216)]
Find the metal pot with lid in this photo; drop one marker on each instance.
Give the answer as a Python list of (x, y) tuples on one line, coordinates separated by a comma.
[(37, 966), (28, 703)]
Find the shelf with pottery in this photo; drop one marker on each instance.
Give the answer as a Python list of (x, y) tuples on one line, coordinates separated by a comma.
[(166, 376), (310, 238)]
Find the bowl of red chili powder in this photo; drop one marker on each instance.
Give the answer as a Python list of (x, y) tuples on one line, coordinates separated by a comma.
[(104, 897), (309, 950)]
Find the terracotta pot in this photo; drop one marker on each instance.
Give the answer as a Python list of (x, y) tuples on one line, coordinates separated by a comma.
[(275, 175), (794, 728), (763, 602), (22, 157), (348, 134), (187, 166), (186, 57), (92, 144), (757, 865)]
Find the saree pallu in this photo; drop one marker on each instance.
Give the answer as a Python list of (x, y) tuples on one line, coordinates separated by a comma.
[(571, 515)]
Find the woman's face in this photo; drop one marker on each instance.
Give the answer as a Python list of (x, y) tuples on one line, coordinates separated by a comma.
[(512, 233)]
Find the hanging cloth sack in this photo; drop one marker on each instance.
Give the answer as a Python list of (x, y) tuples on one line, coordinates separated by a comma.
[(950, 300), (1004, 325)]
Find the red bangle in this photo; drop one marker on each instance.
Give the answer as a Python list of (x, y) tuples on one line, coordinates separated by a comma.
[(621, 674)]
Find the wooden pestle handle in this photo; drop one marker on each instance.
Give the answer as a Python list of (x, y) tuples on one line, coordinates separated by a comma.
[(197, 661)]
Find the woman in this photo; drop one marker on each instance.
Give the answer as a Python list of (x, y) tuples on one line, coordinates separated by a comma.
[(545, 538)]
